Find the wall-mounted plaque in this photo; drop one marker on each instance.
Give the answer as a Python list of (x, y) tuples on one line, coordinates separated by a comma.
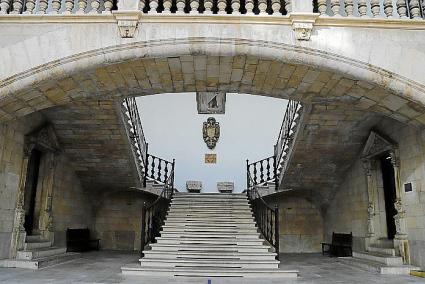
[(210, 158), (211, 102)]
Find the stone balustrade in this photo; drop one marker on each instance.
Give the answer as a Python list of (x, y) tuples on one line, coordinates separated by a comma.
[(65, 7), (404, 9)]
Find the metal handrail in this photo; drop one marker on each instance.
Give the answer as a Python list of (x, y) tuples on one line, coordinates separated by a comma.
[(154, 214), (267, 218)]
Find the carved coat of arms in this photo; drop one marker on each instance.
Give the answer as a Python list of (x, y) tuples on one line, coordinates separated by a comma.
[(211, 132)]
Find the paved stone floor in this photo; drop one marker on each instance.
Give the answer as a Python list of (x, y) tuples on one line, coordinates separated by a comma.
[(104, 267)]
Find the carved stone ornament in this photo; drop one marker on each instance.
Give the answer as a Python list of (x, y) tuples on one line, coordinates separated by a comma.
[(211, 132), (44, 139), (127, 28), (377, 144), (302, 30)]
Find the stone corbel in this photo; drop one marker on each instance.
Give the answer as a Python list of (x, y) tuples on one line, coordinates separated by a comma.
[(302, 24), (128, 22)]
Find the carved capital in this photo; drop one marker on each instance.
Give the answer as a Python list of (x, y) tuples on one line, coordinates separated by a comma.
[(302, 25), (127, 22)]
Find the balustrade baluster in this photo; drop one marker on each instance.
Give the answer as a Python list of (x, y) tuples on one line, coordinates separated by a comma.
[(29, 7), (56, 6), (69, 5), (194, 5), (235, 7), (42, 6), (221, 5), (153, 167), (262, 6), (276, 7), (159, 170), (268, 169), (17, 6), (153, 5), (208, 4), (402, 8), (288, 6), (415, 12), (82, 4), (108, 6), (388, 8), (4, 6), (166, 171), (335, 6), (249, 6), (349, 7), (375, 7), (180, 6), (255, 174), (322, 7), (142, 5), (261, 172), (362, 7)]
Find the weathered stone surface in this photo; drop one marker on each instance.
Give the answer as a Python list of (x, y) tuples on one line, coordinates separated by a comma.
[(193, 186), (225, 186)]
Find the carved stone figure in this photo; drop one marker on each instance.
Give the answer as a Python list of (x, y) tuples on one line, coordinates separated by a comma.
[(211, 132)]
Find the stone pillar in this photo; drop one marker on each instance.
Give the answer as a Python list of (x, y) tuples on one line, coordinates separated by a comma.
[(46, 217), (301, 6), (18, 230), (401, 242), (128, 16), (368, 168)]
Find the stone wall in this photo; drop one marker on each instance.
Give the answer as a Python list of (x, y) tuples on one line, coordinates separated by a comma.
[(117, 222), (348, 210), (72, 207), (11, 156), (300, 226)]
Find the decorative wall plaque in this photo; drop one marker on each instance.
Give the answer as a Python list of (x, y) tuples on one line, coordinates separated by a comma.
[(211, 102), (210, 158), (211, 132)]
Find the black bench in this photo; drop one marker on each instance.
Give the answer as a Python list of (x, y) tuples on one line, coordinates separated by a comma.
[(341, 245), (79, 240)]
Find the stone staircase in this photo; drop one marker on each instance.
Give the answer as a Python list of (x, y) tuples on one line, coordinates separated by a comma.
[(209, 235), (38, 253), (380, 257)]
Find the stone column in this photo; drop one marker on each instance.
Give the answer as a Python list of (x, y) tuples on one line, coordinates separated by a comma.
[(301, 6), (46, 218), (401, 242), (18, 230), (368, 168)]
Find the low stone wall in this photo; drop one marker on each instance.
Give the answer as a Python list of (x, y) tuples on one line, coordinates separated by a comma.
[(301, 226), (118, 218)]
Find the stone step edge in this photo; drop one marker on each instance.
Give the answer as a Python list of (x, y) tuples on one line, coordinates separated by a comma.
[(374, 266)]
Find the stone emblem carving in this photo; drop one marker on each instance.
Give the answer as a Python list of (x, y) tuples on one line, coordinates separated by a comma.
[(211, 132), (225, 187), (193, 186), (302, 30)]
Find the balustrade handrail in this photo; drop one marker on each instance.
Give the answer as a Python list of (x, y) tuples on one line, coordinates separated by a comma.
[(265, 170), (266, 217), (288, 123), (154, 214)]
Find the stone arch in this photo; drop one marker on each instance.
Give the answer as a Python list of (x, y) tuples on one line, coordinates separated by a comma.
[(234, 65)]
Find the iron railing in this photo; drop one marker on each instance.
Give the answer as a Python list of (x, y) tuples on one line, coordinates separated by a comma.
[(290, 119), (153, 215), (263, 171), (137, 136), (266, 217)]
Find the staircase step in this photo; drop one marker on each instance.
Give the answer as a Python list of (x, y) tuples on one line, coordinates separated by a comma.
[(210, 247), (39, 262), (39, 253), (34, 239), (208, 272), (207, 230), (270, 264), (154, 254), (210, 235), (378, 267), (222, 241), (37, 245), (382, 250), (378, 257)]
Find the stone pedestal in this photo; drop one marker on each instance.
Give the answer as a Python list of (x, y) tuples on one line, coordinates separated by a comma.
[(225, 187), (193, 186)]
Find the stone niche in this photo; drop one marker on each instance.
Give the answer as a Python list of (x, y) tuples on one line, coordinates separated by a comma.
[(225, 186), (194, 186)]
